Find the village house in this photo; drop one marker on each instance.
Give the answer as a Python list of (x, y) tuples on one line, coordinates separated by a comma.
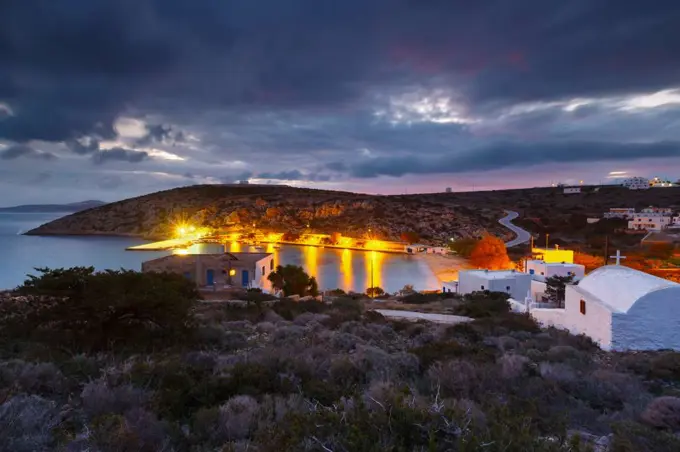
[(636, 183), (620, 212), (649, 221), (571, 190), (514, 283), (247, 270), (418, 248), (553, 255), (540, 271)]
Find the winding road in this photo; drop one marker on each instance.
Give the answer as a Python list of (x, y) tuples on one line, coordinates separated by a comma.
[(522, 235)]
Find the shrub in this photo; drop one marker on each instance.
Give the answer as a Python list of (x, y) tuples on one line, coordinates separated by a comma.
[(33, 378), (441, 351), (664, 413), (99, 398), (27, 423), (513, 366), (483, 304), (137, 430), (633, 437)]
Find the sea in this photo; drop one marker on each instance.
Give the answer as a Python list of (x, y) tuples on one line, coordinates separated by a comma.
[(349, 270)]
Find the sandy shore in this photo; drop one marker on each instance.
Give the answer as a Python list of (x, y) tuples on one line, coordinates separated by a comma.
[(445, 267)]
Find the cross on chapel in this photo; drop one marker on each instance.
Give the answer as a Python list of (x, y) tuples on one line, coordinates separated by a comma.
[(618, 257)]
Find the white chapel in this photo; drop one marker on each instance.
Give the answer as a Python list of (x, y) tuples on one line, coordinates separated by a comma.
[(621, 309)]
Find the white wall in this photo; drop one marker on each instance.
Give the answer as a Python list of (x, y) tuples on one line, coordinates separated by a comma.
[(652, 323), (540, 268), (549, 317), (597, 321), (260, 278), (517, 285), (538, 288)]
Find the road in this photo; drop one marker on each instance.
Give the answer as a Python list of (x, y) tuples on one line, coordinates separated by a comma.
[(522, 235)]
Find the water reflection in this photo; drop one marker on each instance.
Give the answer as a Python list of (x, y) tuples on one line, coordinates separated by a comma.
[(311, 264), (350, 270), (346, 269), (374, 267)]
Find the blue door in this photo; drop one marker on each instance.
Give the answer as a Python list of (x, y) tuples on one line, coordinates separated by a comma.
[(245, 280), (210, 277)]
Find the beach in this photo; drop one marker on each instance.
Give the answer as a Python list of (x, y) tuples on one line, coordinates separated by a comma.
[(445, 267)]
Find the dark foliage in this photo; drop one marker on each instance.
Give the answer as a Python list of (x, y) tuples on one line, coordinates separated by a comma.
[(86, 311)]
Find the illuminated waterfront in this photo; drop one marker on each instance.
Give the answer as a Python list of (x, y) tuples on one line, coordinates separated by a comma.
[(333, 268)]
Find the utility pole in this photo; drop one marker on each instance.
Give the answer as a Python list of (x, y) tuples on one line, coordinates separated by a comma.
[(606, 249), (372, 286), (547, 237)]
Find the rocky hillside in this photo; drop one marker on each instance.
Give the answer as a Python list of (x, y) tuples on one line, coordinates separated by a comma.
[(282, 209)]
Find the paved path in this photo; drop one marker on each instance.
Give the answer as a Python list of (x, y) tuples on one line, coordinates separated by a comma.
[(522, 235), (412, 315)]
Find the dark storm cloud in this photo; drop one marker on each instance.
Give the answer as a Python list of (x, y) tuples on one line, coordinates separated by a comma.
[(25, 151), (83, 149), (160, 133), (119, 155), (513, 155), (69, 68)]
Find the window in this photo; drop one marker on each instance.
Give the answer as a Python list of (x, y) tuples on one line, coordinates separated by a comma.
[(271, 264), (583, 307), (507, 288), (263, 270), (568, 273), (482, 287)]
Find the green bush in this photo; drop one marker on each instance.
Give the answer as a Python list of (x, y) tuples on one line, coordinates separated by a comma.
[(483, 304), (86, 311)]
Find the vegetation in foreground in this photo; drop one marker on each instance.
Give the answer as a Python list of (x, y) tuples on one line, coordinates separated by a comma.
[(121, 361)]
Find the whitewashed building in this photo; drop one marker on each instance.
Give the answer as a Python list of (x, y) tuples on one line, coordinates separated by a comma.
[(571, 190), (548, 269), (620, 212), (649, 221), (515, 284), (619, 308), (636, 183), (658, 210)]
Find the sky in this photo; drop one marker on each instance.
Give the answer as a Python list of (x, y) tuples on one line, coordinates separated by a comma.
[(118, 98)]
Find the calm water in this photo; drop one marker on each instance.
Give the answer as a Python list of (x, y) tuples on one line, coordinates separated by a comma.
[(349, 270)]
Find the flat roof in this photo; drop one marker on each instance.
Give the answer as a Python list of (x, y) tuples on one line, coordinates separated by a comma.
[(494, 274), (549, 264), (245, 258)]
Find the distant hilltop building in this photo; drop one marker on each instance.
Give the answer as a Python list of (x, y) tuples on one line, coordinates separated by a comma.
[(448, 190), (658, 182), (571, 190), (636, 183)]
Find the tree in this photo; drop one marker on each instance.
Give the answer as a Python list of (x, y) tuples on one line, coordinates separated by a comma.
[(335, 238), (463, 247), (375, 291), (490, 253), (86, 311), (409, 237), (555, 289), (293, 280), (234, 217)]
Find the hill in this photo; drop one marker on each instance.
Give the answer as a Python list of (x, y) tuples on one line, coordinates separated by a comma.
[(282, 209), (49, 208)]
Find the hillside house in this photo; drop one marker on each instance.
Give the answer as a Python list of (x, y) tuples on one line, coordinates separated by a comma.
[(515, 284), (649, 221), (553, 255), (571, 190), (247, 270), (636, 183), (619, 308), (620, 212), (418, 248), (540, 271)]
